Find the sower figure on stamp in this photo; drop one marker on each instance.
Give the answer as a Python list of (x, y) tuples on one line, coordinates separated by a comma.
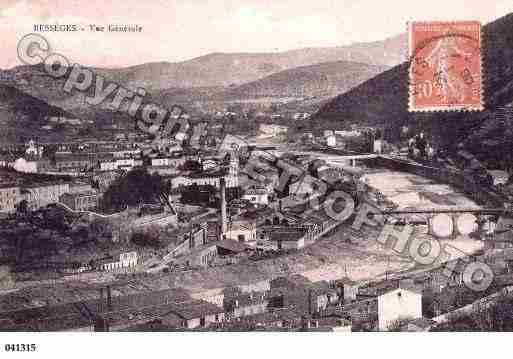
[(450, 84)]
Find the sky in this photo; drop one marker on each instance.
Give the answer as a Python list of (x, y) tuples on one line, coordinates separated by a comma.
[(183, 29)]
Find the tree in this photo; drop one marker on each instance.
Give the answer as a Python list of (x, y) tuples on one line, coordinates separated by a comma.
[(101, 228), (135, 188), (191, 165), (149, 237)]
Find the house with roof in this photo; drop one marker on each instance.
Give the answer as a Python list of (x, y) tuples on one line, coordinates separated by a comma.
[(347, 289), (384, 303), (287, 238), (9, 197), (242, 229), (74, 162), (257, 195), (229, 247), (82, 201), (121, 261), (238, 304), (301, 294), (200, 256), (24, 165), (42, 194), (197, 313), (197, 246), (172, 162), (394, 304)]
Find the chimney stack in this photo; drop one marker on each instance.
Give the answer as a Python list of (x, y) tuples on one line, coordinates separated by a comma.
[(101, 299), (310, 309), (109, 298), (222, 183)]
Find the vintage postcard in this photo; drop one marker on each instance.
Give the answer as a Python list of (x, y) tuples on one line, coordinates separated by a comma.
[(246, 166)]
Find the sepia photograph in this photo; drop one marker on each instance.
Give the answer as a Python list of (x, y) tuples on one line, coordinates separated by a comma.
[(212, 172)]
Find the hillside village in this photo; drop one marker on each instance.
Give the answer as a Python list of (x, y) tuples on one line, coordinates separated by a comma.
[(104, 227)]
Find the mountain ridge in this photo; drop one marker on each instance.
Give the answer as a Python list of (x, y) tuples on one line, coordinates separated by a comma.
[(383, 100), (225, 69), (22, 115), (319, 80)]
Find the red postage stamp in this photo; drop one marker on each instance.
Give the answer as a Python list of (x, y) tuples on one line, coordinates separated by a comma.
[(445, 66)]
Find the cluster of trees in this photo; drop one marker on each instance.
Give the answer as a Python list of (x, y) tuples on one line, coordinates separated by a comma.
[(136, 187), (148, 237)]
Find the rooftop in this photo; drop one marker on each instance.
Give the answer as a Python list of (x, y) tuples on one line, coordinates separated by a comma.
[(195, 309), (81, 194), (233, 246), (8, 185), (287, 234), (255, 191)]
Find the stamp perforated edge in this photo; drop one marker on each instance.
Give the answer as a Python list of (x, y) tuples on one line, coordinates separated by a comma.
[(449, 108)]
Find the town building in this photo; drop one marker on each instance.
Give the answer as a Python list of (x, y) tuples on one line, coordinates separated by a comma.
[(124, 260), (200, 256), (203, 179), (331, 140), (287, 238), (258, 196), (298, 293), (210, 164), (24, 166), (135, 153), (173, 162), (80, 187), (109, 165), (347, 289), (9, 197), (126, 163), (396, 304), (74, 162), (383, 304), (242, 230), (187, 239), (198, 314), (34, 150), (40, 195), (228, 247), (238, 304), (81, 201)]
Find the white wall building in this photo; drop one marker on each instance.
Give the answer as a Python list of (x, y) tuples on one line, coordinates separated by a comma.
[(126, 260), (22, 165), (40, 195), (398, 303), (125, 163), (213, 179), (242, 230), (165, 161), (258, 196), (378, 146), (331, 141), (108, 166)]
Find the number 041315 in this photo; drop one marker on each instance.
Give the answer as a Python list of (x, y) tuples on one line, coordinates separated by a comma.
[(20, 347)]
